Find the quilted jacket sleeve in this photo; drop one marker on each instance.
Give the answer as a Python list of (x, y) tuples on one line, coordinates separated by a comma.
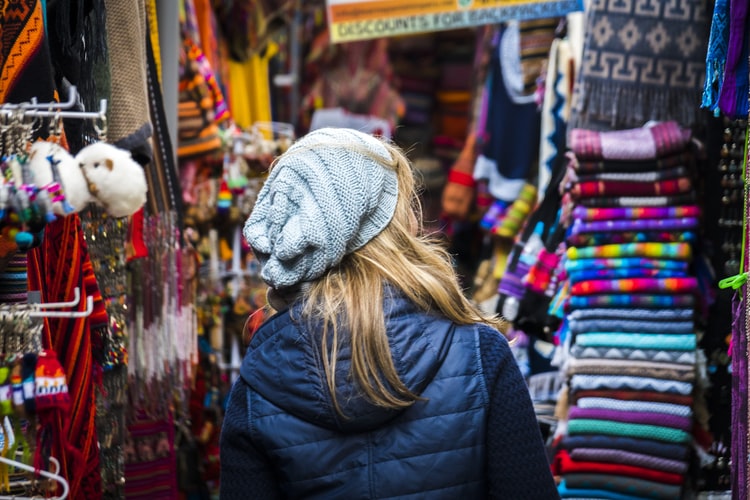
[(517, 462), (245, 470)]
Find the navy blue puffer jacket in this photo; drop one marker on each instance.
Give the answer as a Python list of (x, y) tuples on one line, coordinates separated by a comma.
[(282, 437)]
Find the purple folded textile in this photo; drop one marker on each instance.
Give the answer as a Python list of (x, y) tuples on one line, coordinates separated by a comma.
[(672, 224), (609, 455), (671, 451), (631, 417)]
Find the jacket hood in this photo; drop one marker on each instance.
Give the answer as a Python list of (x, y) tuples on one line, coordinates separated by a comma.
[(284, 365)]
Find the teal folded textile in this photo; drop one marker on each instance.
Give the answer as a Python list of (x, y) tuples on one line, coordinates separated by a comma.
[(625, 262), (592, 426), (629, 326), (677, 342), (659, 301), (624, 272), (657, 315), (586, 493)]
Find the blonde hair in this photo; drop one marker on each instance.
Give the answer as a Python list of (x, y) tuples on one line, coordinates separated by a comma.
[(349, 297)]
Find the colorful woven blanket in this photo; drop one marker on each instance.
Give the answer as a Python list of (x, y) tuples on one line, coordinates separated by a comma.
[(639, 201), (622, 300), (635, 213), (643, 369), (676, 342), (627, 262), (662, 224), (681, 251), (593, 166), (642, 143), (632, 417), (610, 455), (649, 176), (635, 272), (636, 285), (657, 432), (671, 451), (666, 187)]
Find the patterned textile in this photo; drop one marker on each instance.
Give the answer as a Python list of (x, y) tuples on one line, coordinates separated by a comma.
[(150, 464), (616, 404), (634, 395), (626, 237), (619, 456), (663, 315), (680, 357), (630, 486), (664, 224), (622, 300), (649, 176), (632, 417), (612, 368), (657, 432), (733, 100), (64, 248), (641, 61), (651, 250), (638, 201), (636, 285), (642, 143), (631, 262), (565, 464), (583, 167), (671, 451), (665, 187), (635, 213), (716, 57), (635, 272), (638, 340), (629, 382), (628, 325)]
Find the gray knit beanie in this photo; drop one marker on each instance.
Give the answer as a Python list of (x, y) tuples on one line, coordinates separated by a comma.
[(324, 198)]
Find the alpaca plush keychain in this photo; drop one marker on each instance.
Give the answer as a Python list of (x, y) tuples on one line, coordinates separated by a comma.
[(55, 170), (114, 179)]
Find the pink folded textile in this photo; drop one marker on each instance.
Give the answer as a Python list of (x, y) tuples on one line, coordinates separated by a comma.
[(644, 143), (632, 213), (636, 285)]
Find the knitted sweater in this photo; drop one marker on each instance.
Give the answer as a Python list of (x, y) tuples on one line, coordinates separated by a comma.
[(515, 465)]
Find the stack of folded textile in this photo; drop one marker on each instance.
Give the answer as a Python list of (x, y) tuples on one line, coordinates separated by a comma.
[(630, 314)]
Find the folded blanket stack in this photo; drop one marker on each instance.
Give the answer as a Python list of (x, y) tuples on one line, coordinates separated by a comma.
[(631, 367)]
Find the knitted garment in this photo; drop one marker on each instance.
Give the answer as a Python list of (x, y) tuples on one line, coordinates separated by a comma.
[(670, 451), (634, 395), (638, 201), (629, 326), (684, 342), (648, 406), (662, 356), (635, 213), (625, 262), (592, 166), (643, 143), (662, 315), (657, 432), (589, 493), (626, 485), (315, 207), (681, 372), (681, 251), (666, 187), (629, 382), (632, 417), (636, 285), (622, 300), (661, 224), (609, 455), (634, 272), (564, 464)]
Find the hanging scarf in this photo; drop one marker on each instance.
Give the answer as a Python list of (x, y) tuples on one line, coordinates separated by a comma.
[(733, 100), (716, 57)]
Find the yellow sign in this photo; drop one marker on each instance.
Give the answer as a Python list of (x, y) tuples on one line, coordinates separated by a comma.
[(351, 20)]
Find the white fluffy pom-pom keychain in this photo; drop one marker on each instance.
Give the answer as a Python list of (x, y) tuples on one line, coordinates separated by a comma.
[(115, 180)]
